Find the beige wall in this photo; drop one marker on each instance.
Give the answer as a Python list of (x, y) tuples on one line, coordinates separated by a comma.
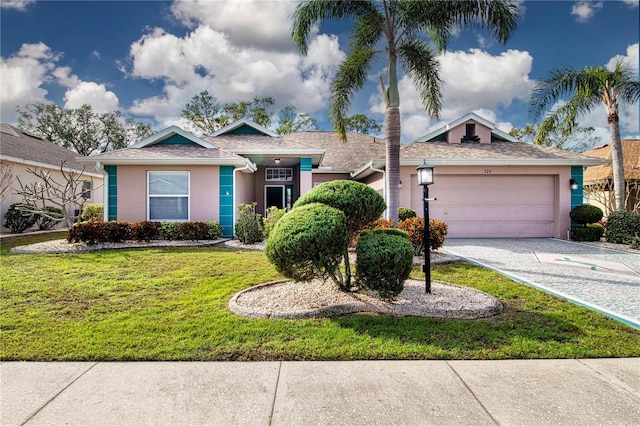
[(204, 197), (20, 170)]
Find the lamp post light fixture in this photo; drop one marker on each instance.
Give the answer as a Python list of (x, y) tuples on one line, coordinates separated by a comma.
[(425, 178)]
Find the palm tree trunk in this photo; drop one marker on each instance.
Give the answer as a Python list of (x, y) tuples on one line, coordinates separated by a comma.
[(617, 161), (392, 139)]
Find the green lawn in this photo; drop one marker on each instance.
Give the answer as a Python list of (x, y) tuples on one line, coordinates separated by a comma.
[(171, 304)]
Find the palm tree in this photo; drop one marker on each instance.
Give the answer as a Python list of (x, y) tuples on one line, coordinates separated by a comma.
[(401, 29), (586, 89)]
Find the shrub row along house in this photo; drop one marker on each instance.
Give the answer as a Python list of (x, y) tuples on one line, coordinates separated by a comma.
[(487, 184)]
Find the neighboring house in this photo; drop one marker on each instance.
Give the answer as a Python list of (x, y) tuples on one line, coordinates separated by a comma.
[(598, 180), (487, 184), (23, 151)]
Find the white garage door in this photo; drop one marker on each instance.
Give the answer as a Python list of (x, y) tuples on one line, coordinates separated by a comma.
[(495, 206)]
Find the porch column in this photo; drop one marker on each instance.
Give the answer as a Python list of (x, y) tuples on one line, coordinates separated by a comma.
[(306, 178)]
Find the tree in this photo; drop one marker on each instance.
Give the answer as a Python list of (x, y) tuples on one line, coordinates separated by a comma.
[(360, 123), (400, 26), (66, 193), (81, 129), (208, 115), (580, 140), (583, 90)]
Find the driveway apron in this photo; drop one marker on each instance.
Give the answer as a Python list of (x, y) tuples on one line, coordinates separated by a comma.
[(601, 279)]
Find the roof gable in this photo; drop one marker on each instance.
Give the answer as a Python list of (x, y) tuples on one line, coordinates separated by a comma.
[(244, 126), (458, 131), (173, 135)]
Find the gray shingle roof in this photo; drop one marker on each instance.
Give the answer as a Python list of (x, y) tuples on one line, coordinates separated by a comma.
[(16, 143), (166, 153)]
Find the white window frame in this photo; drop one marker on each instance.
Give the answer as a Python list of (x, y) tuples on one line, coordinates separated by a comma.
[(287, 172), (188, 196), (87, 189)]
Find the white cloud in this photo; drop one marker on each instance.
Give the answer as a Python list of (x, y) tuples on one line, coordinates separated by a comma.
[(23, 74), (94, 94), (631, 3), (20, 5), (474, 81), (585, 9)]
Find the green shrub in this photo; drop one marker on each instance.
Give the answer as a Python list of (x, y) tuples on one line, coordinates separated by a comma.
[(273, 216), (585, 214), (308, 242), (145, 231), (48, 221), (592, 232), (360, 203), (384, 261), (376, 224), (92, 212), (248, 227), (623, 227), (17, 220), (169, 230), (214, 230), (414, 227), (405, 213)]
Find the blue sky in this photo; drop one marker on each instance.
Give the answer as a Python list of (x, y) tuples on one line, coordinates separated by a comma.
[(148, 58)]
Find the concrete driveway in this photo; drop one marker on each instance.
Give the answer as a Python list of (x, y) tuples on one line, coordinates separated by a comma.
[(601, 279)]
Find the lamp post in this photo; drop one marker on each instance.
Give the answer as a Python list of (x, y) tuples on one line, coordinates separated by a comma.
[(425, 178)]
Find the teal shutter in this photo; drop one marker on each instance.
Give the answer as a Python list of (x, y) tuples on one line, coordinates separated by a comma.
[(226, 200), (112, 192)]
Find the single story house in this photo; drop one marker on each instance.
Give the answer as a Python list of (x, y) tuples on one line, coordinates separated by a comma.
[(21, 151), (487, 184), (598, 180)]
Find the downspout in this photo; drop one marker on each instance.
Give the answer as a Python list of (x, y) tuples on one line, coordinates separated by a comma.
[(384, 187), (105, 191), (247, 166)]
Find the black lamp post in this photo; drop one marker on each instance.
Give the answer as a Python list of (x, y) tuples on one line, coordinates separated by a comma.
[(425, 178)]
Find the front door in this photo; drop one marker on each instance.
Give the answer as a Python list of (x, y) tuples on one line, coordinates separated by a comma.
[(278, 196)]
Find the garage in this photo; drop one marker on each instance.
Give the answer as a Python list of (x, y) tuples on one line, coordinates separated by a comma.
[(494, 206)]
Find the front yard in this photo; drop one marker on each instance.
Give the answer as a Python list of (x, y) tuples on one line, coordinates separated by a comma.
[(171, 304)]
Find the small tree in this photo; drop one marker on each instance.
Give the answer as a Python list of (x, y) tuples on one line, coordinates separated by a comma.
[(248, 227), (65, 193)]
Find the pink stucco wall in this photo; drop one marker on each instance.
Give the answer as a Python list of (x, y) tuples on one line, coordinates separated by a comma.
[(204, 198), (484, 133)]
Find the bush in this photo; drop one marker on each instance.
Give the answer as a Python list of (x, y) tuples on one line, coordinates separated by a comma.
[(273, 216), (376, 224), (585, 214), (308, 242), (99, 232), (116, 232), (623, 227), (384, 261), (192, 231), (92, 212), (415, 228), (19, 221), (360, 203), (45, 222), (214, 230), (405, 213), (592, 232), (145, 231), (169, 230), (248, 227)]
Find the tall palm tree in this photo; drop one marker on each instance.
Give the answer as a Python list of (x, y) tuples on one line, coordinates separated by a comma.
[(583, 91), (400, 29)]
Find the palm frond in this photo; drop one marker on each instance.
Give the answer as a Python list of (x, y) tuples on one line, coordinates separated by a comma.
[(424, 69)]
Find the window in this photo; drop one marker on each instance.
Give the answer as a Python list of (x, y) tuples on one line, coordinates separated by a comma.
[(279, 174), (168, 196), (86, 189)]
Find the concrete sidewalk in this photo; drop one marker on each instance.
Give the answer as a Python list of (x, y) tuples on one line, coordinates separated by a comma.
[(522, 392)]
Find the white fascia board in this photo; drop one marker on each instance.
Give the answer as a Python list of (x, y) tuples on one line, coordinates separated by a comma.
[(47, 165), (167, 133), (173, 162), (276, 152), (244, 122)]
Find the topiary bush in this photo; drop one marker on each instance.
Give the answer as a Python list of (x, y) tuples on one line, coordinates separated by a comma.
[(623, 227), (592, 232), (17, 220), (92, 212), (585, 214), (308, 242), (405, 213), (48, 221), (384, 261), (248, 226)]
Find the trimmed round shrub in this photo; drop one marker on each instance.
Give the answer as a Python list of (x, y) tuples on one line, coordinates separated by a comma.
[(592, 232), (384, 261), (405, 213), (360, 203), (17, 220), (308, 242), (585, 214), (92, 212), (46, 222), (623, 227)]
